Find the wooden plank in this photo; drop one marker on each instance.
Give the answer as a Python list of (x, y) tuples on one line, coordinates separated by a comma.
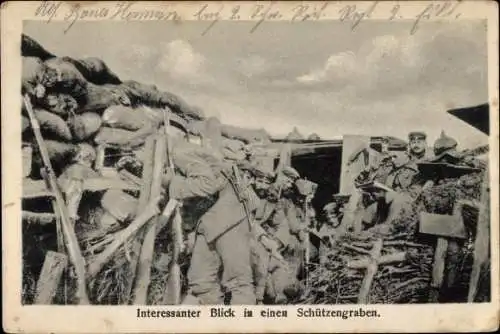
[(50, 277), (42, 218), (439, 263), (70, 239), (147, 249), (147, 176), (285, 158), (173, 292), (35, 189), (481, 244), (142, 219), (349, 171), (371, 270)]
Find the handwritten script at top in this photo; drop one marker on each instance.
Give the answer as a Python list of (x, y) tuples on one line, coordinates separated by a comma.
[(351, 14)]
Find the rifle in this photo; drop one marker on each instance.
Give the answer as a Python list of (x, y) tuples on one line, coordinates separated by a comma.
[(70, 239), (256, 229)]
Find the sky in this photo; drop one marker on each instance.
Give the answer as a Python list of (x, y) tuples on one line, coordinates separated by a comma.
[(318, 76)]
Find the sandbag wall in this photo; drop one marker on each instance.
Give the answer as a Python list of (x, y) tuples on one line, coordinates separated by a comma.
[(70, 96)]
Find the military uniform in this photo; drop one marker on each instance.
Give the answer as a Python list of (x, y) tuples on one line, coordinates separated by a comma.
[(222, 235), (280, 217)]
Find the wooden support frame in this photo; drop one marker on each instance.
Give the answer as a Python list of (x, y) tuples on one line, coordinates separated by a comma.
[(50, 277)]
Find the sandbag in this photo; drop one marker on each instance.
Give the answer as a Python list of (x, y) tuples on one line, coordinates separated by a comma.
[(180, 107), (60, 104), (94, 70), (25, 123), (85, 125), (120, 138), (31, 48), (119, 204), (32, 72), (67, 80), (122, 117), (195, 127), (142, 94), (99, 98), (245, 135), (52, 126), (60, 155), (151, 96), (233, 149), (233, 144)]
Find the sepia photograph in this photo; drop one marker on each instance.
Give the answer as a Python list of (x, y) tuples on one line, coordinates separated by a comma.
[(232, 162)]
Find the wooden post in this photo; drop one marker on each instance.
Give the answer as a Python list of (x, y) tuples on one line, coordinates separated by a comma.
[(351, 169), (371, 264), (173, 293), (285, 158), (481, 244), (147, 249), (147, 176), (70, 239), (50, 277), (352, 165)]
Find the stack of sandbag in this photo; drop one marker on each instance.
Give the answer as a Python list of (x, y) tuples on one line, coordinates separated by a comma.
[(150, 95), (84, 101)]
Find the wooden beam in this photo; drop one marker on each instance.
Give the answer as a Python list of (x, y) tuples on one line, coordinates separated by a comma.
[(50, 277), (147, 249), (371, 270), (147, 176), (143, 218), (70, 239), (481, 244), (350, 170)]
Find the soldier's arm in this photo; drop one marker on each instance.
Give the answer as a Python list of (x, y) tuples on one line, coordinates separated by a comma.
[(406, 177), (199, 181)]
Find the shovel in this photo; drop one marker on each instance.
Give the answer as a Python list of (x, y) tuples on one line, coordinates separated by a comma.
[(445, 227)]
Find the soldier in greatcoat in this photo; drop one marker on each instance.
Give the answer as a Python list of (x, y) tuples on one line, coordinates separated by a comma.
[(222, 240)]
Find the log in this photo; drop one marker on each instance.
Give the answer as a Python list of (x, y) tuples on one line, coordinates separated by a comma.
[(126, 175), (481, 244), (147, 175), (41, 218), (150, 211), (70, 239), (386, 259), (439, 263), (35, 189), (173, 293), (147, 249), (371, 270), (50, 277)]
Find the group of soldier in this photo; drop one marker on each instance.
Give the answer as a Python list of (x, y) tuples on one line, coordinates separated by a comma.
[(248, 245), (250, 241), (389, 183)]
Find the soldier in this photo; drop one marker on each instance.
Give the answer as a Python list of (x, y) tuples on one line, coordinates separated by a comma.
[(222, 236), (279, 216), (417, 146)]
